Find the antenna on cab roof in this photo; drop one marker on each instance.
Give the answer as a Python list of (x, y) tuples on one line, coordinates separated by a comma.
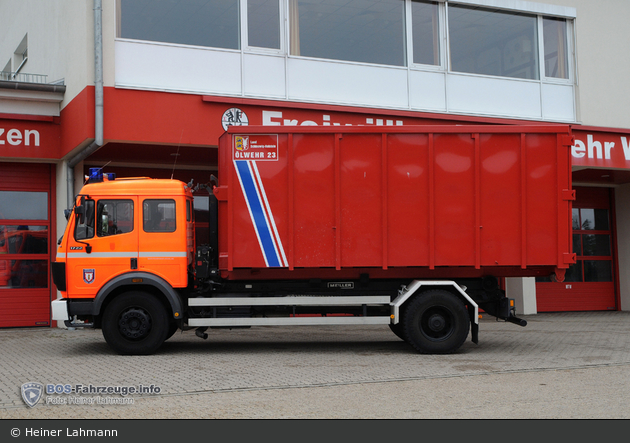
[(177, 154)]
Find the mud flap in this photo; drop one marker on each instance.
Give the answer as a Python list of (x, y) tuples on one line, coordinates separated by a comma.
[(474, 325)]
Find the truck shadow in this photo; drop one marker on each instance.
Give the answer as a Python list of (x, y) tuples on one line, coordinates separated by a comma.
[(254, 342), (286, 347), (191, 348)]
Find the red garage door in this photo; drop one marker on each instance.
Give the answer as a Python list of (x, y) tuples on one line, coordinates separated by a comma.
[(25, 243), (590, 283)]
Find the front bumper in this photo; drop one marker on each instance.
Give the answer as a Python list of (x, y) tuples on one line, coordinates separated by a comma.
[(62, 311)]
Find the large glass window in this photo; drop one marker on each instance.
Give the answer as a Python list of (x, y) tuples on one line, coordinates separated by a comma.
[(23, 239), (556, 51), (425, 32), (18, 241), (491, 42), (213, 23), (263, 23), (370, 31), (481, 40), (32, 205), (592, 245), (23, 274), (24, 244)]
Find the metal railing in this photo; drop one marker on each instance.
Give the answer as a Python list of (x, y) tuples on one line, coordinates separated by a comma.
[(24, 78)]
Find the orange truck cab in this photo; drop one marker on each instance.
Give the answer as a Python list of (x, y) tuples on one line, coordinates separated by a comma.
[(133, 235)]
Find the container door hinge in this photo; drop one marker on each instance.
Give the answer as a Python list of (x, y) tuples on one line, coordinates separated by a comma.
[(568, 194), (568, 140)]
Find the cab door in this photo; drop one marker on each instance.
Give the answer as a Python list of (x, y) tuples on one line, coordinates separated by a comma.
[(104, 244), (166, 238)]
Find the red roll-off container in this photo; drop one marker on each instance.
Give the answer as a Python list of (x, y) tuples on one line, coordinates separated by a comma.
[(404, 201)]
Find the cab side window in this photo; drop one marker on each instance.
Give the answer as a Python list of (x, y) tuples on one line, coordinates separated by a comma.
[(158, 215), (114, 217), (84, 228)]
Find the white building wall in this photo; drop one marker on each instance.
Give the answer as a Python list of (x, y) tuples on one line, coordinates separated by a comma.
[(602, 41), (140, 65), (60, 40)]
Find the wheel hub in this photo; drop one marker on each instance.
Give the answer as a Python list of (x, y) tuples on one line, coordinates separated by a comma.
[(436, 322), (134, 323)]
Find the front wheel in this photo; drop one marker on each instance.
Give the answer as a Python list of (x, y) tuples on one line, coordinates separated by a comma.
[(436, 322), (172, 329), (135, 323)]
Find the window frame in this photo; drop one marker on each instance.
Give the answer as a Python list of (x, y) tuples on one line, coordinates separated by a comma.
[(544, 11), (404, 50), (443, 55), (239, 48), (570, 39), (581, 258), (539, 10), (494, 8), (244, 24)]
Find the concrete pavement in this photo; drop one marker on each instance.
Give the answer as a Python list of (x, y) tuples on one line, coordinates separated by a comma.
[(564, 365)]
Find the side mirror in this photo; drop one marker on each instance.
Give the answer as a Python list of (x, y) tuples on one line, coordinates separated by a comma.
[(80, 213)]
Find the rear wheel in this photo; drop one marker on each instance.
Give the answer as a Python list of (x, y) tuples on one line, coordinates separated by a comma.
[(436, 322), (398, 330), (135, 323)]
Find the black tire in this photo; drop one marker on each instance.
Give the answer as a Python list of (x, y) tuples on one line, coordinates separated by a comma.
[(398, 330), (135, 323), (172, 329), (436, 322)]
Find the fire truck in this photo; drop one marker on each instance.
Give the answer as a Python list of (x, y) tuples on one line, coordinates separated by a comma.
[(413, 227)]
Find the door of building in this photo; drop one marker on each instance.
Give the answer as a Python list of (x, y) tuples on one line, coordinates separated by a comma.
[(26, 205), (590, 283)]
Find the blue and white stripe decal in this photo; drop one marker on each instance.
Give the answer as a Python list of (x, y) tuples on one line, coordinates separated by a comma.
[(260, 213)]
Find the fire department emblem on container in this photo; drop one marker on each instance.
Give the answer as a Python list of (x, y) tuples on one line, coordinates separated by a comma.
[(242, 143), (31, 393), (88, 276)]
